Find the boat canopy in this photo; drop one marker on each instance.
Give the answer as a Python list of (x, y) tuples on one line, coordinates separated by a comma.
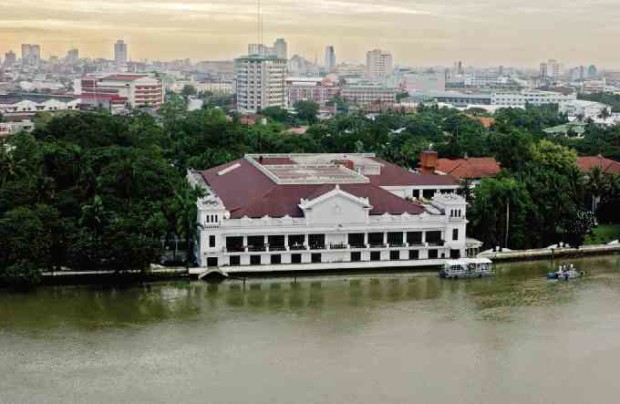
[(467, 261)]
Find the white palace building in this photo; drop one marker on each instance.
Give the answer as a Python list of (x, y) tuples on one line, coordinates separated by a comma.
[(299, 212)]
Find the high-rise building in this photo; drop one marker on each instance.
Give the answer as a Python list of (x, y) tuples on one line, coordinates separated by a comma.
[(330, 58), (31, 54), (555, 68), (592, 71), (73, 55), (378, 63), (9, 59), (120, 53), (260, 82), (544, 70), (280, 48)]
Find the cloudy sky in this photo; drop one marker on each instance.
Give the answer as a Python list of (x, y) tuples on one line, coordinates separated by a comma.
[(418, 32)]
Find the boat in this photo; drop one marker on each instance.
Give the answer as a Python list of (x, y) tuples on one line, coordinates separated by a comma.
[(467, 268), (565, 272)]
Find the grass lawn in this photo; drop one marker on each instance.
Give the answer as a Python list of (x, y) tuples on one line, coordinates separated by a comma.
[(603, 234)]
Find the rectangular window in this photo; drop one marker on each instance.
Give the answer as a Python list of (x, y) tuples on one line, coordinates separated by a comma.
[(316, 241), (414, 254), (455, 234), (414, 237), (432, 254), (211, 241), (234, 244), (316, 258), (433, 237), (375, 256), (394, 255), (356, 256), (395, 239), (212, 261), (356, 240), (235, 260), (296, 258), (276, 259), (254, 259), (296, 241), (256, 243), (276, 243), (375, 239)]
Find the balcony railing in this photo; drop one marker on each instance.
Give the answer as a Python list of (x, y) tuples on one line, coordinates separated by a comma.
[(338, 246), (317, 246), (436, 243), (256, 248), (398, 245), (277, 248)]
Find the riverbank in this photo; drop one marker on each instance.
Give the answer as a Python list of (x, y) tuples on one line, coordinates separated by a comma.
[(158, 273), (550, 253), (113, 277)]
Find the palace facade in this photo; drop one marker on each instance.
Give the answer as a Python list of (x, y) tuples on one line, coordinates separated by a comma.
[(325, 211)]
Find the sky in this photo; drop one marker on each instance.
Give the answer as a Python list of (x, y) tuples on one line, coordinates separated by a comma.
[(417, 32)]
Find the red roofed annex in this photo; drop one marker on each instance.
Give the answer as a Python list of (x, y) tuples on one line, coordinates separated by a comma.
[(324, 211)]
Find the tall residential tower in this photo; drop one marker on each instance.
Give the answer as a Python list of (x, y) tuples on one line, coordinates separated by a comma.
[(120, 53), (330, 58), (378, 63), (260, 82)]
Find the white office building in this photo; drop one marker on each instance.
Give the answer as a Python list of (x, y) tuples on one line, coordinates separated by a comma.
[(378, 63), (325, 211), (583, 110), (260, 83), (530, 97)]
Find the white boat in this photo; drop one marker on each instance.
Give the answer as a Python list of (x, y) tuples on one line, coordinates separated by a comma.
[(467, 268), (565, 272)]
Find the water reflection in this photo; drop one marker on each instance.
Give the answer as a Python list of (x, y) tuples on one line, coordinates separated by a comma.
[(92, 308)]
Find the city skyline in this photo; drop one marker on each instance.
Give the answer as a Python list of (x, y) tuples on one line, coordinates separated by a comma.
[(421, 32)]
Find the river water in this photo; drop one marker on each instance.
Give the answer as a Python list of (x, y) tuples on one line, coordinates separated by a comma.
[(390, 338)]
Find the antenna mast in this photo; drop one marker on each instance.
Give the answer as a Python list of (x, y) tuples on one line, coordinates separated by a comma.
[(259, 17)]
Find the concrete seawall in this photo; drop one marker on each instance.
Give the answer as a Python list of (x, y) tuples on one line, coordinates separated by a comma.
[(549, 253)]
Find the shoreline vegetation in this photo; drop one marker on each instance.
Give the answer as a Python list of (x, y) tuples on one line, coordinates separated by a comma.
[(94, 192)]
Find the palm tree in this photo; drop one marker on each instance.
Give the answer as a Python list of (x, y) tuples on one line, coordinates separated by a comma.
[(597, 185), (604, 114), (186, 197)]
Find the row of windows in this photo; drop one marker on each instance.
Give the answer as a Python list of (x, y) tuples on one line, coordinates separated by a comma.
[(456, 213), (356, 256), (211, 219)]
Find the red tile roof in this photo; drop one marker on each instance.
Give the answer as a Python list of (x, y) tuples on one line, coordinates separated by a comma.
[(587, 163), (123, 77), (469, 168), (246, 191), (394, 176)]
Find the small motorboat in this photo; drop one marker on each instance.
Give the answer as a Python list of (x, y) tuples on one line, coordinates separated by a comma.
[(467, 268), (565, 272)]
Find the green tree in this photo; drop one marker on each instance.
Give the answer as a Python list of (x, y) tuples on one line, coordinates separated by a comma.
[(307, 111), (188, 90)]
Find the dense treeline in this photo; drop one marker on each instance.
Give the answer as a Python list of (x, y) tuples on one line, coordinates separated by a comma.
[(606, 98), (95, 191)]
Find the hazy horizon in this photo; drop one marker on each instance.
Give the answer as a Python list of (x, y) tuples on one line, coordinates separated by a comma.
[(417, 32)]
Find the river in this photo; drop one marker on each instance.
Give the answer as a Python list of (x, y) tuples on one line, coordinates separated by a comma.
[(389, 338)]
